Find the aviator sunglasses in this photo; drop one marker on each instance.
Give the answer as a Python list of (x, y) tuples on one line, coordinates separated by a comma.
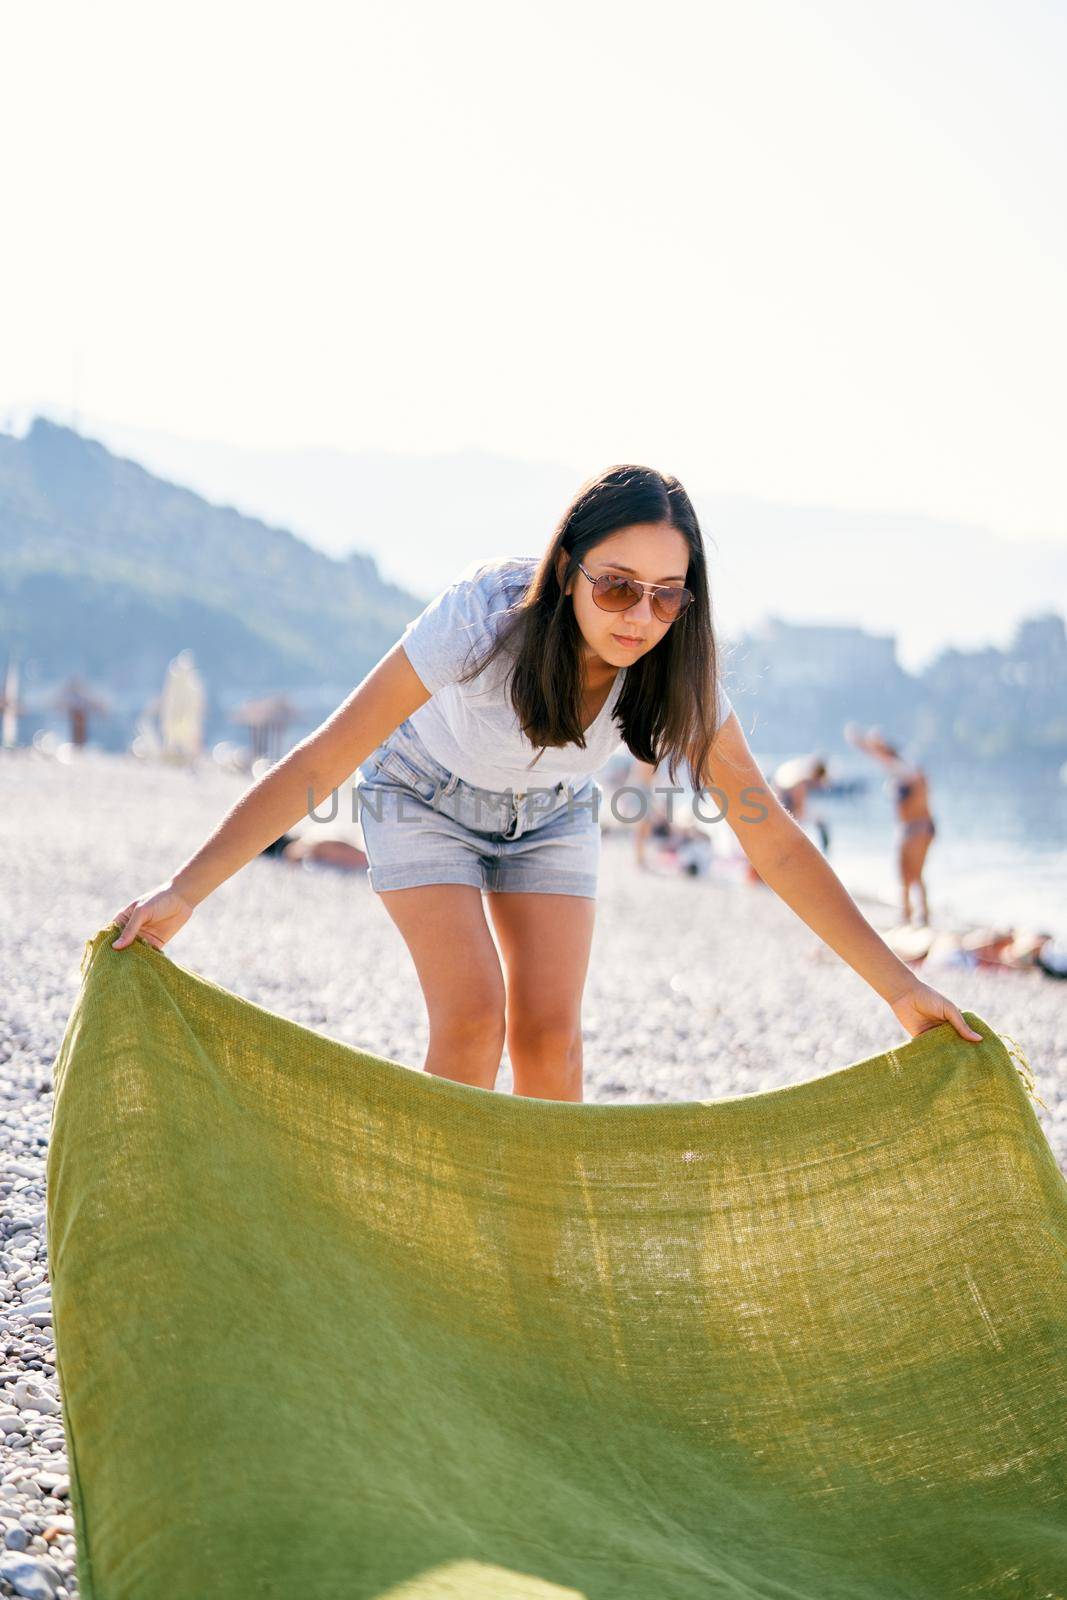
[(613, 592)]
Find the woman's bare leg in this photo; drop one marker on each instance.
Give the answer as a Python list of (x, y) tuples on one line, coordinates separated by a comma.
[(913, 851), (546, 940), (905, 888), (444, 928), (925, 842)]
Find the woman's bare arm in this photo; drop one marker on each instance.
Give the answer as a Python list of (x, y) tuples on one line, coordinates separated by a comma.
[(271, 805), (304, 777), (799, 874)]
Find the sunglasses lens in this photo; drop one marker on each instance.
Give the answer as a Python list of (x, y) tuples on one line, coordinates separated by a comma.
[(615, 594), (669, 604)]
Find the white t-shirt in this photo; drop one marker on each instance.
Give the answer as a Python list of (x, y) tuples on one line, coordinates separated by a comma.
[(472, 728)]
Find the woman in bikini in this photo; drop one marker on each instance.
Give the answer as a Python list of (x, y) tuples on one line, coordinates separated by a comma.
[(915, 825), (478, 736)]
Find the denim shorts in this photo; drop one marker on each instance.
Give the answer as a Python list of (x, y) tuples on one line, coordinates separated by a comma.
[(423, 824)]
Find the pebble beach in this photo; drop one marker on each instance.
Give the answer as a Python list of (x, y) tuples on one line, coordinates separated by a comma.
[(698, 988)]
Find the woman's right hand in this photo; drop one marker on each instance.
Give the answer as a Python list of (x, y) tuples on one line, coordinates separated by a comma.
[(154, 917)]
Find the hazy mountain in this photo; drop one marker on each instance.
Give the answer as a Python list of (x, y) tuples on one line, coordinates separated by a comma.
[(928, 581), (108, 571)]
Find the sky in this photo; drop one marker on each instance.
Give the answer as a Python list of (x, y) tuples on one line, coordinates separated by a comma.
[(810, 253)]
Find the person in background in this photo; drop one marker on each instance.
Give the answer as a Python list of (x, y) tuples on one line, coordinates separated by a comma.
[(793, 782), (315, 842), (1004, 949), (992, 949), (915, 825), (652, 820), (667, 820)]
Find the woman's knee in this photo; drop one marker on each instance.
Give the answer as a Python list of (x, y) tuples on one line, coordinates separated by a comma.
[(467, 1045), (548, 1031), (546, 1054), (475, 1024)]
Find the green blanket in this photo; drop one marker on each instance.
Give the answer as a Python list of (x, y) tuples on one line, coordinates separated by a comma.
[(327, 1326)]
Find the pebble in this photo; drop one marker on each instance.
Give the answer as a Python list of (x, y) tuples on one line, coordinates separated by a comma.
[(29, 1394), (730, 993), (29, 1576)]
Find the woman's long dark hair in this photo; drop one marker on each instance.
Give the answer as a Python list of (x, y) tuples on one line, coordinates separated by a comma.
[(668, 706)]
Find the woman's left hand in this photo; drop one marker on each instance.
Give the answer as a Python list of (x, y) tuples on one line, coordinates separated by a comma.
[(920, 1008)]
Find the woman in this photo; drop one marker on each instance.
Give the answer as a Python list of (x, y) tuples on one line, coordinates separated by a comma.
[(483, 727), (793, 782), (915, 825)]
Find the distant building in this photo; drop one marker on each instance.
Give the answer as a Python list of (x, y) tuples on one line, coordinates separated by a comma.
[(794, 685), (822, 654)]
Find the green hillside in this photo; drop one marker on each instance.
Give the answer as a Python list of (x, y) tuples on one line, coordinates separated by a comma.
[(108, 571)]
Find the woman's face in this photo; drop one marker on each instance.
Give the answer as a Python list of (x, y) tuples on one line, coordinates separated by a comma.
[(652, 552)]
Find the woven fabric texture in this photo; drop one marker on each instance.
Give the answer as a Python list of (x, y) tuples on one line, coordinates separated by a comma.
[(330, 1326)]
